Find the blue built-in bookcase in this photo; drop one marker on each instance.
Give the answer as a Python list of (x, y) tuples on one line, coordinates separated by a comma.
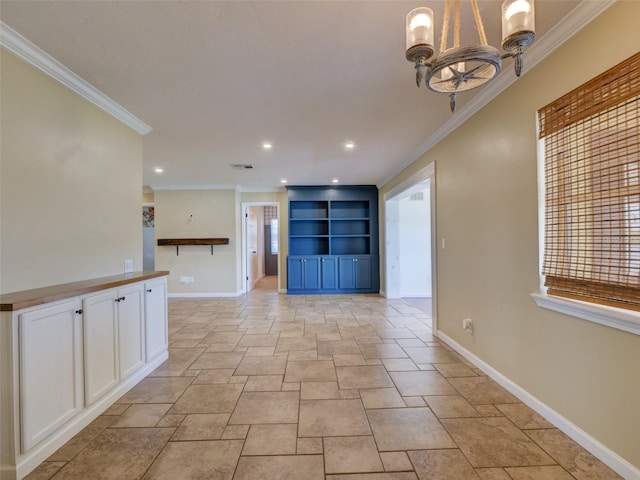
[(333, 240)]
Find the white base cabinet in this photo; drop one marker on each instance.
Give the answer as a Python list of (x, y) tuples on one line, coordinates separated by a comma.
[(50, 361), (131, 327), (157, 334), (100, 323), (63, 363)]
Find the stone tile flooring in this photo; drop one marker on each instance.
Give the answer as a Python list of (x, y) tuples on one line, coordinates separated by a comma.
[(276, 387)]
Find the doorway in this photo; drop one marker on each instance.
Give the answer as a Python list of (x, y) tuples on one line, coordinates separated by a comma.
[(409, 252), (260, 243), (148, 238)]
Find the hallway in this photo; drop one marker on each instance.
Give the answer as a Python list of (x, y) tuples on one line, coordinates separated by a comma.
[(344, 387)]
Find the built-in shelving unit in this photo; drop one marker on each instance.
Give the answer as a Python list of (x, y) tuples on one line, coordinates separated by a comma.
[(333, 239)]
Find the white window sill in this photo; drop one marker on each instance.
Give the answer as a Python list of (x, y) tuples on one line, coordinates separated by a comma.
[(627, 320)]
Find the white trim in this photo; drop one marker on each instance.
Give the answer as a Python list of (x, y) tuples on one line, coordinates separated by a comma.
[(244, 249), (204, 295), (596, 448), (572, 23), (420, 176), (425, 174), (245, 189), (195, 187), (32, 54), (238, 188), (626, 320)]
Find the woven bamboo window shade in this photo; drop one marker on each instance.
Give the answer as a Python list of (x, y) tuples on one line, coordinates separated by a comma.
[(592, 183)]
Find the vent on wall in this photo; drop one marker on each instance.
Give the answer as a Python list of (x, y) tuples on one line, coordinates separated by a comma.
[(418, 196), (241, 166)]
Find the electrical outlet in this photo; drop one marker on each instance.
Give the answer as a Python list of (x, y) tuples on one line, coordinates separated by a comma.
[(467, 325), (128, 265)]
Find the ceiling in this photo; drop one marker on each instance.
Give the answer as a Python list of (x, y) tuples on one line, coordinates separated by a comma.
[(216, 79)]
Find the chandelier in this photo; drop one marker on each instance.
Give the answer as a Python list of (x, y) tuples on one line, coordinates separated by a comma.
[(460, 68)]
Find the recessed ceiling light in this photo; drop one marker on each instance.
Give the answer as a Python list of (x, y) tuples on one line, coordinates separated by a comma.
[(335, 180), (158, 170), (267, 145), (349, 145), (284, 180)]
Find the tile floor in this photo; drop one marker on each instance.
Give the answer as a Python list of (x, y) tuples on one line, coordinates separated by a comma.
[(349, 387)]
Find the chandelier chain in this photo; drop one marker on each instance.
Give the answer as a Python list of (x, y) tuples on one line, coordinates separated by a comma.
[(445, 26), (476, 14)]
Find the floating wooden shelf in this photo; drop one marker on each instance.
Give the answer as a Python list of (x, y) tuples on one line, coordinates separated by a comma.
[(192, 241)]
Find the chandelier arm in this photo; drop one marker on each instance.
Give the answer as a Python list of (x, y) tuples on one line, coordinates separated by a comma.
[(445, 26), (479, 25)]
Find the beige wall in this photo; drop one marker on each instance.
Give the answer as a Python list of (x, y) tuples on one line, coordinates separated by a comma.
[(486, 196), (70, 186), (216, 213)]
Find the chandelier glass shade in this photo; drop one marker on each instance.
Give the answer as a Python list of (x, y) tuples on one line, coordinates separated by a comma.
[(460, 68)]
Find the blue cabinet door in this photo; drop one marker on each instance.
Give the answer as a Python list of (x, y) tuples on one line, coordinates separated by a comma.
[(354, 272), (311, 267), (346, 273), (295, 275), (329, 273), (303, 273), (362, 267)]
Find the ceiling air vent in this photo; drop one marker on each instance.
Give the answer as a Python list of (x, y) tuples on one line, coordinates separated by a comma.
[(418, 196), (241, 166)]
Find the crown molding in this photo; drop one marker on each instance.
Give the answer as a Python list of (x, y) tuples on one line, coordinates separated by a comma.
[(578, 18), (157, 188), (238, 188), (32, 54)]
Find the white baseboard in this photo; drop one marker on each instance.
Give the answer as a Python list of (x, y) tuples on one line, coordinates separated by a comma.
[(614, 461), (205, 295)]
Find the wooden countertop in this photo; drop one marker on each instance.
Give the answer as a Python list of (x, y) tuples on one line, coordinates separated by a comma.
[(39, 296)]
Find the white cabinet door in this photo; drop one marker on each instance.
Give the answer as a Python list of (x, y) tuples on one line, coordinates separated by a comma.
[(50, 369), (131, 328), (100, 345), (156, 317)]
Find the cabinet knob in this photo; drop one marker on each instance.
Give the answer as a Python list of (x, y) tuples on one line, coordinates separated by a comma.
[(149, 290), (79, 312), (120, 299)]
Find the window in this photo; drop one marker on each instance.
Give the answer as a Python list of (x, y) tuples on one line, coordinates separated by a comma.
[(592, 190)]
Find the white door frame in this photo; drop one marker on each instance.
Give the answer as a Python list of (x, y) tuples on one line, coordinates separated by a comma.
[(245, 249), (427, 173)]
